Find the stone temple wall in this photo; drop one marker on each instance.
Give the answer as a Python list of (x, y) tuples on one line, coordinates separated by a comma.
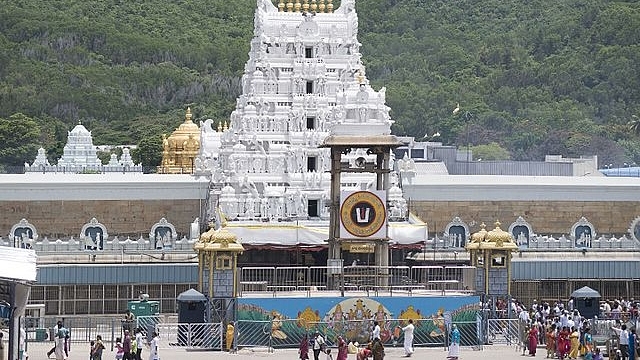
[(61, 219), (545, 217)]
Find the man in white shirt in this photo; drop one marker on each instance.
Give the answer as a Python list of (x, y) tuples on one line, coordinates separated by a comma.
[(408, 338), (139, 343), (153, 347), (564, 319), (318, 342), (623, 337), (376, 331)]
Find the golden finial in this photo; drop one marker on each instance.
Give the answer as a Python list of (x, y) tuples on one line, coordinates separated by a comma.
[(321, 6), (296, 6), (226, 126), (289, 6), (187, 118), (314, 6), (220, 126), (329, 6), (305, 6), (281, 5)]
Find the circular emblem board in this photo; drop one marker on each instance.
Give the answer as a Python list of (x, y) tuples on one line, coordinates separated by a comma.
[(362, 214)]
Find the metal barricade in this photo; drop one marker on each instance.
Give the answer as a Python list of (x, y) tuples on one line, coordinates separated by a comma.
[(191, 336), (504, 331)]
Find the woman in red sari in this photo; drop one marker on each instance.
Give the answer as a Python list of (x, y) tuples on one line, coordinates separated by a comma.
[(563, 342), (342, 349), (303, 350), (532, 338)]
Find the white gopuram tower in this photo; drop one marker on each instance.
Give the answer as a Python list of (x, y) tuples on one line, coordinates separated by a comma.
[(304, 80)]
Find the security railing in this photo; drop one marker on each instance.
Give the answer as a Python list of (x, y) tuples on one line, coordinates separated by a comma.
[(504, 331), (364, 279), (85, 329)]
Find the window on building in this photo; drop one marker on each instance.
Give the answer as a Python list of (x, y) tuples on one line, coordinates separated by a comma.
[(223, 262), (312, 206), (309, 87), (311, 122), (311, 163), (308, 52)]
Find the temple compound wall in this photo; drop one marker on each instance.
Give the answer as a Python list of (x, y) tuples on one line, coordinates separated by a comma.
[(545, 217), (64, 218)]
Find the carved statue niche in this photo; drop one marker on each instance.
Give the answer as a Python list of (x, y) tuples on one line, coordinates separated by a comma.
[(163, 234), (582, 232), (23, 234), (93, 234), (521, 231), (456, 232)]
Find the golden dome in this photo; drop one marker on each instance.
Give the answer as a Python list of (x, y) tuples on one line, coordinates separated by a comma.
[(498, 235), (498, 239), (181, 134), (181, 148)]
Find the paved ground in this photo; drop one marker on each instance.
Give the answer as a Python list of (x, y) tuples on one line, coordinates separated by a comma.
[(37, 351)]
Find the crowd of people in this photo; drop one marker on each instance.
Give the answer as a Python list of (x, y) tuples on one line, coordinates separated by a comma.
[(566, 334), (374, 349), (128, 347)]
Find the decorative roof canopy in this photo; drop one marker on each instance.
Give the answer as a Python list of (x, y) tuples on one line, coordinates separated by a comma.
[(220, 240), (497, 239)]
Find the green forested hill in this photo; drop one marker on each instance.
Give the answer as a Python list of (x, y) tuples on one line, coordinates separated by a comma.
[(539, 76)]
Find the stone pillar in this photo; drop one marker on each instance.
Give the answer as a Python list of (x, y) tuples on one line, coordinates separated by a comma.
[(334, 210)]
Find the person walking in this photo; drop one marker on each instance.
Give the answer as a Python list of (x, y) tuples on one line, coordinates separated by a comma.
[(97, 348), (375, 334), (229, 335), (153, 347), (139, 343), (632, 343), (623, 338), (318, 345), (55, 335), (342, 349), (532, 337), (60, 343), (408, 338), (126, 346), (119, 349), (377, 350), (551, 341), (454, 346), (303, 349)]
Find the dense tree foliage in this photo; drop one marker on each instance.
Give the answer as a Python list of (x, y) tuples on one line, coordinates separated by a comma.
[(539, 76), (19, 136)]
